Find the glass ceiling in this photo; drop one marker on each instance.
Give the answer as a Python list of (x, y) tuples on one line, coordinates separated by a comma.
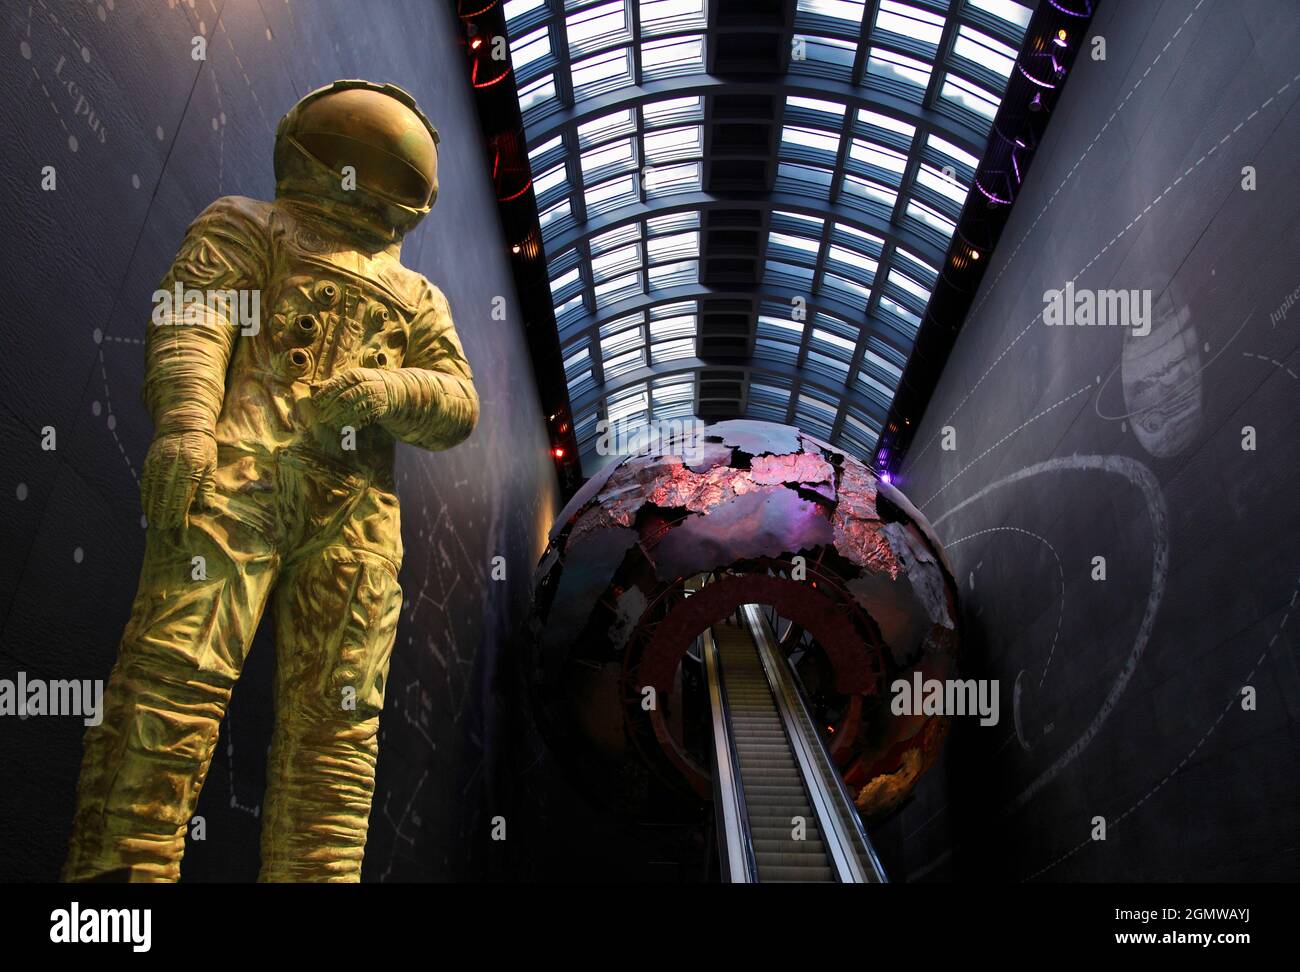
[(887, 106)]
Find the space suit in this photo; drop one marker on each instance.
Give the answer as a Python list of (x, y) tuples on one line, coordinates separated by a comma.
[(270, 479)]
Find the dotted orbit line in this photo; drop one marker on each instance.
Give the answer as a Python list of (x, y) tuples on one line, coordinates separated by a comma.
[(963, 469), (57, 23), (58, 115), (1060, 572), (112, 427), (1214, 148), (1076, 165), (1190, 753), (1272, 361)]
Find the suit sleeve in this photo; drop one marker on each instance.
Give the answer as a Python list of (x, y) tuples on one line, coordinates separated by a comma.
[(432, 400), (188, 345)]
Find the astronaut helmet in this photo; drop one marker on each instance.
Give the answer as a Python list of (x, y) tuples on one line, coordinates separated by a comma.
[(365, 146)]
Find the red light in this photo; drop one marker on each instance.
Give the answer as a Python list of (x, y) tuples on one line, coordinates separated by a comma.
[(476, 43), (558, 452)]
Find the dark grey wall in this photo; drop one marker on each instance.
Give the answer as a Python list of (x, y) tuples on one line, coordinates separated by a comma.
[(143, 138), (1074, 443)]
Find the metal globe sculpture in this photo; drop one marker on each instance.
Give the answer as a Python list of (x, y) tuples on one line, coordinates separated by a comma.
[(661, 545)]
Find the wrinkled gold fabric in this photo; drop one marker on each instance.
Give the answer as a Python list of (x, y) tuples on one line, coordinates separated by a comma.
[(272, 462)]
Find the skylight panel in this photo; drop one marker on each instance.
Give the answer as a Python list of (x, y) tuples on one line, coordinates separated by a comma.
[(674, 274), (843, 284), (550, 145), (910, 22), (833, 343), (613, 367), (673, 328), (517, 8), (558, 284), (606, 70), (662, 180), (937, 181), (673, 55), (827, 365), (848, 11), (615, 192), (951, 151), (970, 96), (909, 286), (1006, 10), (915, 266), (866, 191), (605, 127), (932, 218), (619, 324), (886, 124), (628, 405), (807, 179), (576, 361), (537, 92), (673, 222), (789, 273), (780, 327), (553, 214), (672, 144), (570, 310), (549, 179), (673, 247), (810, 138), (611, 157), (797, 222), (660, 16), (673, 351), (615, 237), (616, 289), (881, 158), (615, 262), (620, 343), (823, 55), (903, 314), (861, 240), (898, 68), (798, 243), (530, 48), (830, 109), (862, 264), (596, 27), (985, 51), (672, 110)]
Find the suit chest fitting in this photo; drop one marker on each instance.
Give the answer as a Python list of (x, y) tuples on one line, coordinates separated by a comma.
[(326, 320)]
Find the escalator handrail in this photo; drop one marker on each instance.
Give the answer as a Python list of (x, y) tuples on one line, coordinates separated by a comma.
[(834, 808), (737, 847)]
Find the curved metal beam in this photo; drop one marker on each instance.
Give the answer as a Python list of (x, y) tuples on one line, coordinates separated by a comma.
[(850, 313), (793, 375), (853, 96), (765, 202)]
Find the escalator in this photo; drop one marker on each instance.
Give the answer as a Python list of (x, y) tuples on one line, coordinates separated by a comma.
[(781, 808)]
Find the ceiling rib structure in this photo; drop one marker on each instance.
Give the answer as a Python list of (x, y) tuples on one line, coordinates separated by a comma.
[(745, 205)]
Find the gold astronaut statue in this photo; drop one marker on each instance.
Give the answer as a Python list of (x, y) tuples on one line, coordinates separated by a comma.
[(270, 477)]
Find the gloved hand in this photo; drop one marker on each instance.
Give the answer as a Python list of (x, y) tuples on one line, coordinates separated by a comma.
[(177, 475), (357, 398)]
